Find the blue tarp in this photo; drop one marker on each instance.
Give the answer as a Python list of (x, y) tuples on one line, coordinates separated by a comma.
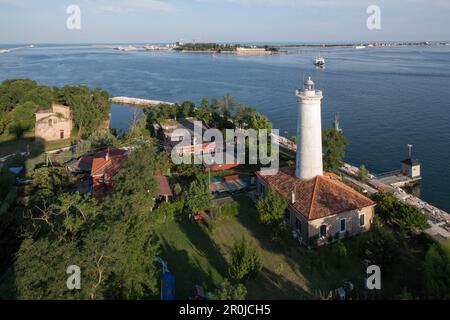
[(16, 170), (168, 286)]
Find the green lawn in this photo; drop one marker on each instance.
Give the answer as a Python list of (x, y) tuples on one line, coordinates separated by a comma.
[(196, 256), (9, 145)]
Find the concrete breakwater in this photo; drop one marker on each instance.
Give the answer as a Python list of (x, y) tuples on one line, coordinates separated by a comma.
[(138, 101)]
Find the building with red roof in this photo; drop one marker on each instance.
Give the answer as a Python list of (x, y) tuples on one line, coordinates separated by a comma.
[(105, 165), (320, 206)]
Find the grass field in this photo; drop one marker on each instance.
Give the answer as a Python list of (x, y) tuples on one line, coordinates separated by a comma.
[(197, 256)]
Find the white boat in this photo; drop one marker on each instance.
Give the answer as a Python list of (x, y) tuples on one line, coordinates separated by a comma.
[(319, 61), (4, 50), (360, 47)]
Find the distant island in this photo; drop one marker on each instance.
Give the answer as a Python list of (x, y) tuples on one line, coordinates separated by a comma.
[(264, 49)]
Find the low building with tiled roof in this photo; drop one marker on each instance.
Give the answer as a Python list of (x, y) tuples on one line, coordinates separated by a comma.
[(321, 207), (105, 166)]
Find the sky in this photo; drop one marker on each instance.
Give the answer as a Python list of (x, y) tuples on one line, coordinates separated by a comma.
[(154, 21)]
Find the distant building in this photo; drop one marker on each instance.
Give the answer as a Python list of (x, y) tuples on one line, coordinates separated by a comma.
[(54, 124), (320, 205), (252, 51), (196, 146), (411, 168), (106, 164)]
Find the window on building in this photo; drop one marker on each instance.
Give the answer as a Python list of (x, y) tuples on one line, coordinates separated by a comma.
[(298, 224), (343, 225), (323, 231), (362, 220), (50, 122), (287, 216), (262, 189)]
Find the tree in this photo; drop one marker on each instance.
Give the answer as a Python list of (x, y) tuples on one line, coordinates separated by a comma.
[(363, 174), (334, 143), (135, 188), (228, 291), (48, 183), (7, 180), (271, 208), (245, 261), (186, 109), (198, 196), (437, 269), (260, 122), (90, 108), (25, 96), (102, 139), (22, 118), (407, 218), (339, 251)]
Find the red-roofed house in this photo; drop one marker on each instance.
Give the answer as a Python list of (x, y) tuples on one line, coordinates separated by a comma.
[(321, 207), (105, 166)]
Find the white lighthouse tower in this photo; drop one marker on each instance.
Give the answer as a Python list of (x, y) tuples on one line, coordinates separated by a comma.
[(309, 132)]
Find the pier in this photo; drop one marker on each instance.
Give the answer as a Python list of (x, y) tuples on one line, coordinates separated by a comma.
[(138, 101), (392, 182)]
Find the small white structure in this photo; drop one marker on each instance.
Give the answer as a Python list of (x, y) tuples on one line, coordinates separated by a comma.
[(309, 162), (411, 168)]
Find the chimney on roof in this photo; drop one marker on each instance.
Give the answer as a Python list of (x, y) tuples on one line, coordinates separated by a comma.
[(107, 155), (293, 197)]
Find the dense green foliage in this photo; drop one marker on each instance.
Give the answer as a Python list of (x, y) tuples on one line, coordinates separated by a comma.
[(228, 291), (112, 242), (363, 174), (334, 143), (225, 113), (27, 96), (271, 208), (20, 99), (245, 261), (437, 269), (6, 182), (407, 218), (198, 196), (90, 108)]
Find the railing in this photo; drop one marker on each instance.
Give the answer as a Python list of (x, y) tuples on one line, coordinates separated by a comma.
[(388, 174)]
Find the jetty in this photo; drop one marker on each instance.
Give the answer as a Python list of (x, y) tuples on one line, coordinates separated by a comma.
[(138, 101), (393, 182)]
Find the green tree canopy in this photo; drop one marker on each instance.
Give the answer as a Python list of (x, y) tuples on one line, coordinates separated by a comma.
[(334, 143), (198, 197), (407, 218), (271, 208), (90, 108), (245, 261), (437, 269)]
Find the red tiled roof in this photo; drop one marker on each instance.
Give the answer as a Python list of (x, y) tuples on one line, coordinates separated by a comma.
[(319, 197), (108, 163), (164, 187)]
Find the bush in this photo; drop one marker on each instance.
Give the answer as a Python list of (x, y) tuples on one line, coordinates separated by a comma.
[(407, 218), (245, 261), (230, 209), (271, 208), (228, 291), (437, 269)]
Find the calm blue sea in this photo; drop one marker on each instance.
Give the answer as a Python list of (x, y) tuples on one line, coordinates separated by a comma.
[(386, 97)]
